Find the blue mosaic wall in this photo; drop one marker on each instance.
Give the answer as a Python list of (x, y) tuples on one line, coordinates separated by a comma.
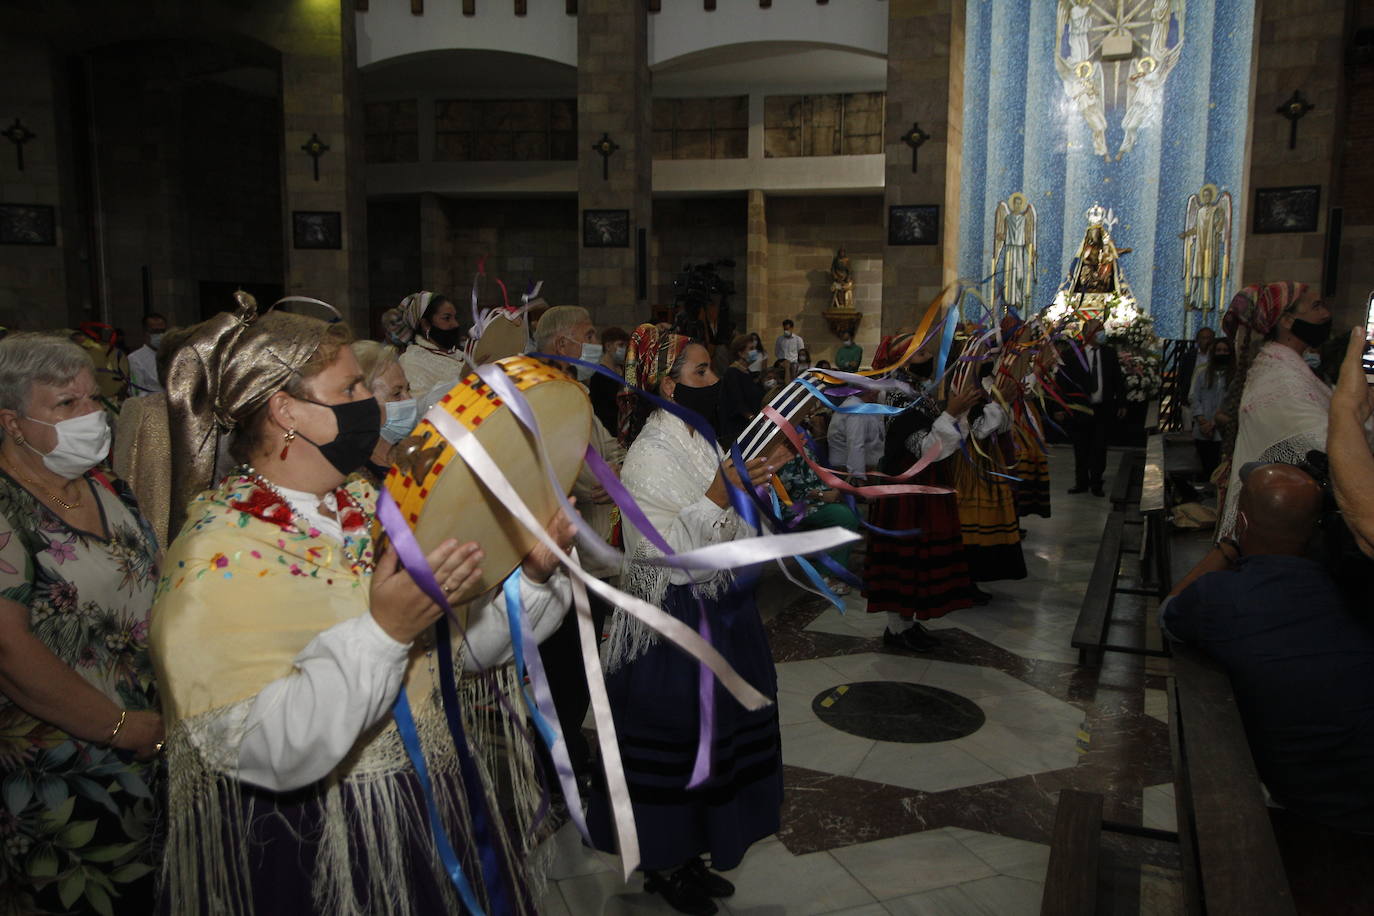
[(1022, 132)]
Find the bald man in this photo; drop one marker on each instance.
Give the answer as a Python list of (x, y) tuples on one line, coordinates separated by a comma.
[(1301, 665)]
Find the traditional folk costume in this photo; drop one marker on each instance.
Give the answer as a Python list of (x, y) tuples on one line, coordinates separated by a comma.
[(1032, 468), (1284, 406), (653, 686), (987, 506), (426, 363), (925, 576), (290, 789)]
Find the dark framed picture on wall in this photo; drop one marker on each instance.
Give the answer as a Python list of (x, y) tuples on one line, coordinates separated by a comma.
[(28, 224), (913, 225), (605, 228), (316, 229), (1287, 209)]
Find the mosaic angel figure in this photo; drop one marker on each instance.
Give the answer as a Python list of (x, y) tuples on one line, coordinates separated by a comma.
[(1206, 249), (1013, 249)]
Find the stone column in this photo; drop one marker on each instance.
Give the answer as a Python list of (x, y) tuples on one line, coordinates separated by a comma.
[(756, 265), (614, 99), (925, 52), (319, 65)]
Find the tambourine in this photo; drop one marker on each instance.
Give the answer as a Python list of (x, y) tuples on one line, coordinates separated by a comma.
[(794, 401), (502, 333), (441, 498)]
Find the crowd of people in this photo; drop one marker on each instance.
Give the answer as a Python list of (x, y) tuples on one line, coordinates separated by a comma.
[(1280, 412), (215, 675)]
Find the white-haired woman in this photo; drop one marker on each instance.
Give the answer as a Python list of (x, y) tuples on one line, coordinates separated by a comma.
[(78, 719), (384, 377)]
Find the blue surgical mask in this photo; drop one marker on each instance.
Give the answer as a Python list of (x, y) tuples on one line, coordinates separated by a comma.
[(1100, 338), (400, 419)]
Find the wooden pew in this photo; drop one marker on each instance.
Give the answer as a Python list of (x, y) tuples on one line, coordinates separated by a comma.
[(1231, 861)]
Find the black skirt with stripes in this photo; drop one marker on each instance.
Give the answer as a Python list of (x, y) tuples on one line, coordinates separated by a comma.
[(924, 576), (655, 707)]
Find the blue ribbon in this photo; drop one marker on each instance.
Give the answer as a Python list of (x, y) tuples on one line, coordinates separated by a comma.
[(493, 875), (515, 613), (410, 737)]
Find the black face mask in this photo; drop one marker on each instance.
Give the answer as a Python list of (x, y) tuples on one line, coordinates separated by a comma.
[(1311, 333), (1221, 360), (922, 370), (445, 338), (704, 401), (360, 425)]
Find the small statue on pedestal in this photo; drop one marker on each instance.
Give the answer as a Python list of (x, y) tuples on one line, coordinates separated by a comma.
[(841, 282)]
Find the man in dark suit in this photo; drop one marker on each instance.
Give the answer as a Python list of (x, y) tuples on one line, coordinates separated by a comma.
[(1100, 387)]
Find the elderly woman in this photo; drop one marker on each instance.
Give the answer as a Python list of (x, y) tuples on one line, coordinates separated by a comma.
[(78, 568), (676, 477), (283, 638), (384, 377), (433, 356)]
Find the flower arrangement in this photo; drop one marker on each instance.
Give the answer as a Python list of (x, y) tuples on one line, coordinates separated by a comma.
[(1137, 346)]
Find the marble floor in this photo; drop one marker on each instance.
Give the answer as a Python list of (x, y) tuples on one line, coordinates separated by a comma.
[(957, 822)]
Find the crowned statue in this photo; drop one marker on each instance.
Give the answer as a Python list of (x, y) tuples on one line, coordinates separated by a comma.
[(1013, 251), (1097, 277), (1206, 253)]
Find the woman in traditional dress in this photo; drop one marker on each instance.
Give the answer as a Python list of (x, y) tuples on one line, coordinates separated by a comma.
[(78, 715), (1276, 407), (924, 577), (433, 356), (1032, 469), (282, 640), (675, 475), (384, 377), (987, 507)]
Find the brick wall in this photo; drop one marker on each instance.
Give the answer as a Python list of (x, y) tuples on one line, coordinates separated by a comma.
[(803, 234), (1355, 278), (393, 255), (33, 279), (693, 231), (1301, 46), (523, 240)]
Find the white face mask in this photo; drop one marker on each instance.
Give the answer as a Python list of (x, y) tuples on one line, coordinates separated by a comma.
[(591, 353), (400, 419), (619, 354), (786, 333), (155, 340), (82, 443)]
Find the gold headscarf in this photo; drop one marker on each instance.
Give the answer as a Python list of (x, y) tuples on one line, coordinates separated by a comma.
[(225, 370)]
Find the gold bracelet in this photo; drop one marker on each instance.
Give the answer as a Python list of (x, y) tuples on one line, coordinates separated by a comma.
[(123, 714)]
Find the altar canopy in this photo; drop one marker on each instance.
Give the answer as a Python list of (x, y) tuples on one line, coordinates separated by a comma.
[(1133, 104)]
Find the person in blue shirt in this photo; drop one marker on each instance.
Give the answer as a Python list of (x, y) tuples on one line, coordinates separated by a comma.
[(1301, 664)]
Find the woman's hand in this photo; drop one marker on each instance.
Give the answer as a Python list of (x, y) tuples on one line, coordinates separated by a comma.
[(1353, 393), (400, 608), (540, 562), (760, 471), (963, 401), (141, 734)]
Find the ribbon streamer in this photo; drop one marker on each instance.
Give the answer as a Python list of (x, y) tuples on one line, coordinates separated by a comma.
[(410, 737)]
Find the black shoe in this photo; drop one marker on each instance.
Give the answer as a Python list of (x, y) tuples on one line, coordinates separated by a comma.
[(927, 635), (912, 640), (979, 596), (706, 881), (679, 892), (1097, 491), (1080, 488)]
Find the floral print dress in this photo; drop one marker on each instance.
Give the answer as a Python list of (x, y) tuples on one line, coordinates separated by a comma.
[(76, 819)]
